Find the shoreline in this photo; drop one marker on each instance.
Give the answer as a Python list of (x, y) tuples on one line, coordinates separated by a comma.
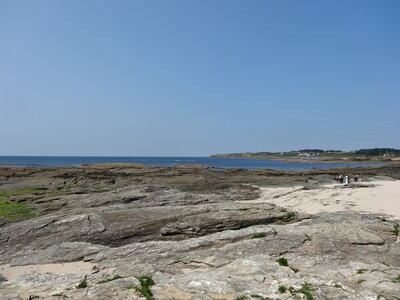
[(320, 160), (377, 197)]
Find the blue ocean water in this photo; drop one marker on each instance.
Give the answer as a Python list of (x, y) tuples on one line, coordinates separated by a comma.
[(52, 161)]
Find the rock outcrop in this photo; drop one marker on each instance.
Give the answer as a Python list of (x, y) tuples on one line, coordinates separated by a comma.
[(192, 244)]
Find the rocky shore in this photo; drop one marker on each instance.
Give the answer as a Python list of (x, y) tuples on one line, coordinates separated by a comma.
[(125, 231)]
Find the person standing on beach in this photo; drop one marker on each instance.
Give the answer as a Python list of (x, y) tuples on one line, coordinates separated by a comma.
[(346, 179)]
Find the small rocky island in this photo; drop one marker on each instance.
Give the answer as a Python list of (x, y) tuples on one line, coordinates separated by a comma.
[(125, 231)]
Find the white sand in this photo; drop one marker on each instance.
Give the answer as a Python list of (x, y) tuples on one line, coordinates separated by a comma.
[(80, 267), (382, 199)]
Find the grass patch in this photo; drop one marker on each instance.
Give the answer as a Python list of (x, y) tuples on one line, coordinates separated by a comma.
[(282, 262), (282, 289), (110, 279), (289, 215), (14, 210), (361, 271), (145, 283), (59, 295), (243, 209), (396, 279), (306, 291), (31, 297), (83, 284), (240, 298), (259, 235)]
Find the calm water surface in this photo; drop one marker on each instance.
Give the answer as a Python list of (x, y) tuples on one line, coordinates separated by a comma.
[(53, 161)]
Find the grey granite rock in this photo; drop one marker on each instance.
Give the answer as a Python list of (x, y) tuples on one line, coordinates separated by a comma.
[(195, 245)]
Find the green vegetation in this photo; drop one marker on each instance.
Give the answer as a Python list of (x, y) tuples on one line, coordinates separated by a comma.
[(31, 297), (59, 295), (308, 238), (361, 271), (397, 279), (360, 281), (290, 215), (282, 289), (145, 283), (243, 209), (380, 244), (241, 298), (396, 230), (83, 284), (306, 291), (282, 262), (101, 188), (110, 279), (13, 207), (260, 297), (287, 216), (14, 210), (259, 235), (379, 152)]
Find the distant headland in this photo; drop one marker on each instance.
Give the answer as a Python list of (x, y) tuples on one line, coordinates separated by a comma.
[(306, 155)]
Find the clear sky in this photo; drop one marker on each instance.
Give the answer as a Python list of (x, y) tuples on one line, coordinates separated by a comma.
[(194, 78)]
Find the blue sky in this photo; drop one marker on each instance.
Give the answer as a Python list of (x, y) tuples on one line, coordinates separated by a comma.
[(194, 78)]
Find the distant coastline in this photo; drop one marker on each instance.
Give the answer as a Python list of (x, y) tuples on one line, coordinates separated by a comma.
[(375, 155)]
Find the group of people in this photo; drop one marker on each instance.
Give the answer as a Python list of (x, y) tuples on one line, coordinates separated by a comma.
[(346, 179)]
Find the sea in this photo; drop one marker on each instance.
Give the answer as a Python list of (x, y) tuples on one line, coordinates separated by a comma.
[(56, 161)]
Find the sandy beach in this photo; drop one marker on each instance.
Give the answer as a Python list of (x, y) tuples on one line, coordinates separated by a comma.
[(14, 272), (377, 197)]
